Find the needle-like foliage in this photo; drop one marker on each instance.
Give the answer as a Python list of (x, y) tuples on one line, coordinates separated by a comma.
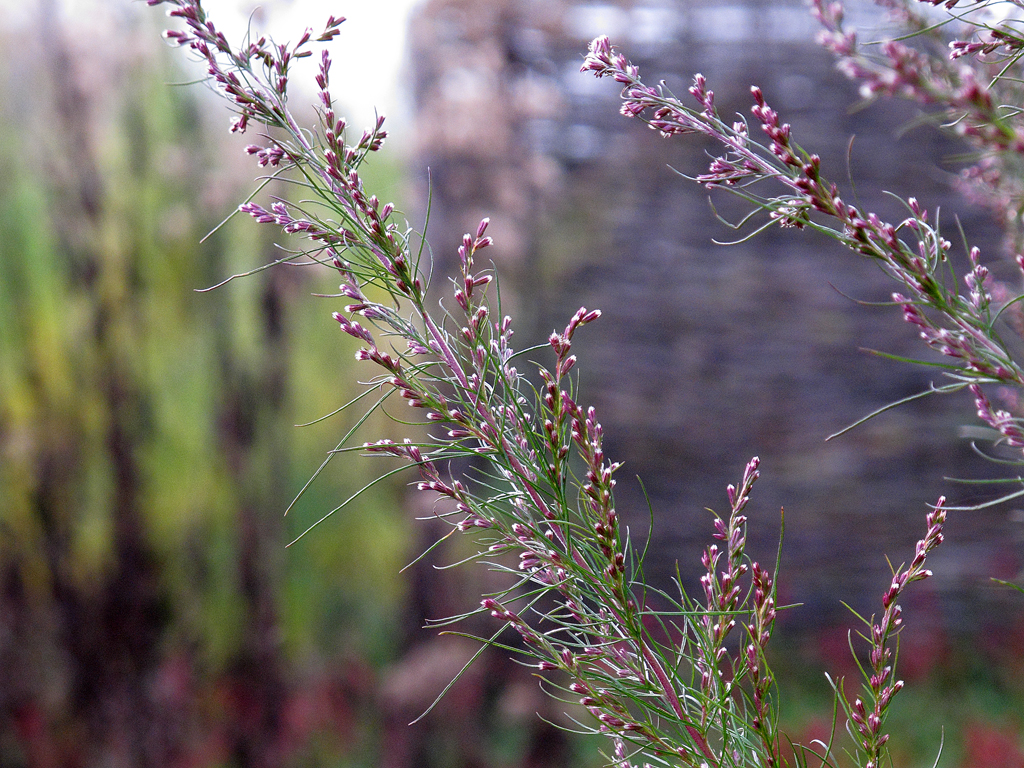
[(671, 679)]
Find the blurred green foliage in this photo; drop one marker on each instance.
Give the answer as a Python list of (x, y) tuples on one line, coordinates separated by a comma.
[(147, 438)]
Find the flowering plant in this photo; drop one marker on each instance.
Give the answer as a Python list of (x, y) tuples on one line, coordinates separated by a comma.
[(664, 676)]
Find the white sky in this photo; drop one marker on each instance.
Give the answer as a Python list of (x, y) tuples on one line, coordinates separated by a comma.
[(367, 54)]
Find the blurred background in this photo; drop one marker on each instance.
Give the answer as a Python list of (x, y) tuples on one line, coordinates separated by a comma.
[(150, 612)]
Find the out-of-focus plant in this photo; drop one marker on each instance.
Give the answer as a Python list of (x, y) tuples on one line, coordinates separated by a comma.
[(686, 682), (146, 440)]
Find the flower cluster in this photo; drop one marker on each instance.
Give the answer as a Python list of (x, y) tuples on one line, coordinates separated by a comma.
[(657, 672), (232, 70), (547, 491), (912, 252), (254, 79), (961, 327), (974, 101), (868, 720)]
